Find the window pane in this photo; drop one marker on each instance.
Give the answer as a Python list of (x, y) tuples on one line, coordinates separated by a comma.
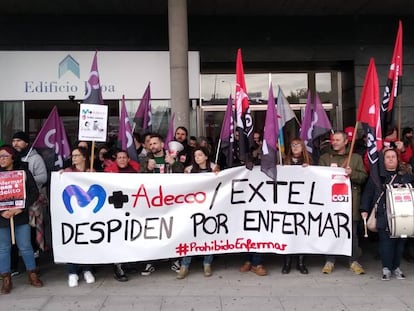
[(294, 86)]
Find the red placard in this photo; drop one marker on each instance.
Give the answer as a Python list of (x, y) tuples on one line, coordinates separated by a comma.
[(12, 189)]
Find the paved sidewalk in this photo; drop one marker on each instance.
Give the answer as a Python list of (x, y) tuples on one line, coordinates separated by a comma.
[(226, 290)]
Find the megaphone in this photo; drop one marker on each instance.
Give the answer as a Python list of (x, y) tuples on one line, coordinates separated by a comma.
[(174, 147)]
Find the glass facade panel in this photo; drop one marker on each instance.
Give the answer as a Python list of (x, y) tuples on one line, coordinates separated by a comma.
[(11, 120)]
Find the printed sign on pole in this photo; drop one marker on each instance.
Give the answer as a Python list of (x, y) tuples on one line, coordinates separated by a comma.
[(93, 121), (12, 192)]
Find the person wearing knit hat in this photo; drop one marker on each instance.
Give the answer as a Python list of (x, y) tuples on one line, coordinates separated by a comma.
[(22, 136), (36, 166)]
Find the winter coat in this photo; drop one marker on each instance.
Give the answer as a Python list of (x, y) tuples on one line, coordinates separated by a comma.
[(357, 177), (372, 192)]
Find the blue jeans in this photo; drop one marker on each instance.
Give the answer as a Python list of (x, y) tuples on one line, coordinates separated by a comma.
[(254, 258), (390, 249), (23, 241), (185, 262)]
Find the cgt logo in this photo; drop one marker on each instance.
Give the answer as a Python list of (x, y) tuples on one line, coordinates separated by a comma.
[(340, 190), (84, 198)]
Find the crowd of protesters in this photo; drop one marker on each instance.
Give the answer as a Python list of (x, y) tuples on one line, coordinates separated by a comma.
[(198, 155)]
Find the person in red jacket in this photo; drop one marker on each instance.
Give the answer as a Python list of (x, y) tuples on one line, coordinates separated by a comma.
[(122, 164)]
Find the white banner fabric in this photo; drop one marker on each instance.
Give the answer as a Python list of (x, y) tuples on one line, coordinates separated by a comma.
[(110, 217)]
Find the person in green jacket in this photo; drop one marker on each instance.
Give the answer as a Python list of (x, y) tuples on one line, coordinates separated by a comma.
[(338, 157)]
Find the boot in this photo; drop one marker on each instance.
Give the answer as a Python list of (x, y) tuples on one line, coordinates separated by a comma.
[(301, 265), (7, 283), (287, 263), (34, 279)]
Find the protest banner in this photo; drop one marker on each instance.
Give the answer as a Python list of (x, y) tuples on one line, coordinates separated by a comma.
[(101, 218)]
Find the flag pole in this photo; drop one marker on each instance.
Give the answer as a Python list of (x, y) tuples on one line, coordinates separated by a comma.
[(92, 155), (352, 144), (280, 151), (399, 116), (218, 150), (13, 237)]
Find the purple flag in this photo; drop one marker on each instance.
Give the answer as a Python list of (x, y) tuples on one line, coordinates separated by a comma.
[(142, 117), (93, 92), (125, 138), (170, 133), (52, 142), (315, 124), (227, 134), (270, 135), (306, 128)]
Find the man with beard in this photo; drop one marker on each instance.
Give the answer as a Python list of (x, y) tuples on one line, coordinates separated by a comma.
[(36, 165), (157, 161)]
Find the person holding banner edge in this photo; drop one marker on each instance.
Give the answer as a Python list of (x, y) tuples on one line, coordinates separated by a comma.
[(200, 164), (354, 168), (80, 163), (297, 155), (9, 161)]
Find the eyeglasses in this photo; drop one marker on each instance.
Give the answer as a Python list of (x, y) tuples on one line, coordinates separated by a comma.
[(5, 156), (294, 144)]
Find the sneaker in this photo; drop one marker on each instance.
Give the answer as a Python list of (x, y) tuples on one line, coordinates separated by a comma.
[(175, 266), (207, 270), (119, 273), (15, 273), (149, 268), (386, 274), (246, 267), (356, 268), (73, 280), (328, 267), (259, 270), (36, 254), (182, 273), (399, 275), (88, 276)]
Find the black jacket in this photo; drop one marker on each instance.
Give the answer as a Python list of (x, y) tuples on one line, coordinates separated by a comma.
[(32, 194), (372, 192)]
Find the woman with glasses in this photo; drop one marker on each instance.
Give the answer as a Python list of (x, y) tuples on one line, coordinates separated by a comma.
[(10, 161), (80, 163), (296, 155)]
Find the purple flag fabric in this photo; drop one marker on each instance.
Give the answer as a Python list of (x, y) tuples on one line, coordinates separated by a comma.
[(142, 117), (125, 138), (52, 142), (170, 133), (227, 134), (306, 128), (93, 92), (315, 124), (270, 135)]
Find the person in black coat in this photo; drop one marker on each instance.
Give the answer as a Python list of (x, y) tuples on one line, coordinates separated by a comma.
[(390, 249), (9, 161)]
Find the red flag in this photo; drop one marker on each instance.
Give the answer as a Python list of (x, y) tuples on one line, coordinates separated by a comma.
[(368, 110), (244, 121), (393, 87), (369, 116)]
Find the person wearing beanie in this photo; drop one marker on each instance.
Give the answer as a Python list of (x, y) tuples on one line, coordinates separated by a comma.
[(20, 142), (36, 166)]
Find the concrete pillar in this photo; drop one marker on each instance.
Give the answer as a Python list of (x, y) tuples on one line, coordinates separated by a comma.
[(178, 43)]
